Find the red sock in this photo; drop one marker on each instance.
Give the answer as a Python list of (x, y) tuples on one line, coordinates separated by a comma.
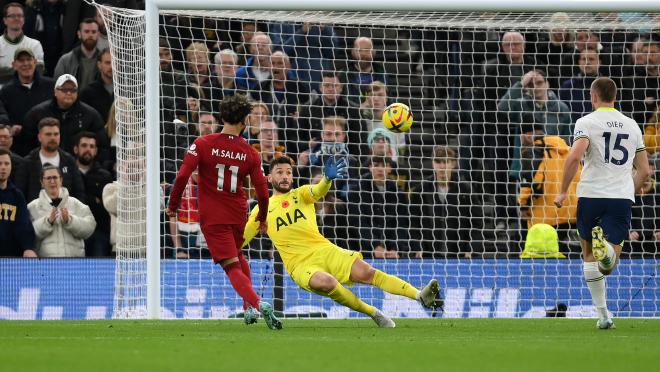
[(242, 284), (245, 266)]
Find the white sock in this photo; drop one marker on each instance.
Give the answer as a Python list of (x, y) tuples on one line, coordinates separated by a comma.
[(596, 283), (609, 259)]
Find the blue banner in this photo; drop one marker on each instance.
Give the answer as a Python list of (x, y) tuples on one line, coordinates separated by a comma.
[(85, 289)]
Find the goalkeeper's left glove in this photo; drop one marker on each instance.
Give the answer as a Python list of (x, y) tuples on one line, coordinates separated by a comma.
[(335, 169)]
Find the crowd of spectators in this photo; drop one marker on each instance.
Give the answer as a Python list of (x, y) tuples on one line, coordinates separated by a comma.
[(318, 91)]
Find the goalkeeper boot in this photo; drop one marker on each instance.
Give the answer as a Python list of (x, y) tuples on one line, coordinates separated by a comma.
[(267, 312), (605, 324), (428, 294), (599, 246), (383, 320), (250, 316)]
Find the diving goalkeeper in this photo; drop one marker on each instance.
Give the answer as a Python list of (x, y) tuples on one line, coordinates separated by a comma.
[(313, 262)]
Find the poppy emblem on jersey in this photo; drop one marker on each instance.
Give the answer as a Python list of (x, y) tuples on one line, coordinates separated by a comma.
[(285, 204)]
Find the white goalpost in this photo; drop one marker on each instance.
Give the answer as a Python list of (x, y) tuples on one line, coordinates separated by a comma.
[(440, 53)]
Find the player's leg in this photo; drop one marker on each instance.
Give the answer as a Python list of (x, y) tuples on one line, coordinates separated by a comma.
[(221, 240), (243, 286), (604, 252), (265, 308), (362, 272), (245, 266), (241, 283), (250, 314), (326, 285), (607, 240), (588, 214)]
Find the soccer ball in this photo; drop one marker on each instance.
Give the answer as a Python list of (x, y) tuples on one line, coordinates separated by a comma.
[(397, 117)]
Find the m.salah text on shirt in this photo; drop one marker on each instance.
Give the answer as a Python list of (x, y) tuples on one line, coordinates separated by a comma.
[(229, 154)]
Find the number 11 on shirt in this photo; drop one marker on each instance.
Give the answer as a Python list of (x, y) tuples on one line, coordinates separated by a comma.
[(233, 182)]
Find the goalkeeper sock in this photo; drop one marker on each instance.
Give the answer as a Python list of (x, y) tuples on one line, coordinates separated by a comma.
[(241, 284), (394, 285), (347, 298), (245, 267), (596, 283), (610, 258)]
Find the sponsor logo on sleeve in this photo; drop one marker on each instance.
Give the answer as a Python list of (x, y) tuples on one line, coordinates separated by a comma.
[(192, 149)]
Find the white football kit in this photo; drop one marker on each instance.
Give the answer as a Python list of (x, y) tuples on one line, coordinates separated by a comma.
[(614, 140)]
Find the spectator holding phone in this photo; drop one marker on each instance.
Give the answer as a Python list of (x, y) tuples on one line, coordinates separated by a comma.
[(61, 222)]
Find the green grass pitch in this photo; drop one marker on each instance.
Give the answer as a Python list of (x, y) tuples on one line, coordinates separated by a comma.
[(534, 345)]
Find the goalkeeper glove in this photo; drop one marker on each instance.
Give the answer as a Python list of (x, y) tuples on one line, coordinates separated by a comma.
[(336, 169)]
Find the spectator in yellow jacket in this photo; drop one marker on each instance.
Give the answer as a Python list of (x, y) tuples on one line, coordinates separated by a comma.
[(542, 165), (652, 134)]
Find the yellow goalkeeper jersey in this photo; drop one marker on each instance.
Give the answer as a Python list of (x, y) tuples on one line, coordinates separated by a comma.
[(292, 223)]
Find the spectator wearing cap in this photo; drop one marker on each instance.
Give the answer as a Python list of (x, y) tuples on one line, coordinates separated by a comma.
[(27, 89), (74, 117), (6, 142), (14, 39), (49, 153), (81, 60), (100, 93)]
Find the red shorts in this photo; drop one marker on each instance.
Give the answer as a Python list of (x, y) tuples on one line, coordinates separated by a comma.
[(224, 241)]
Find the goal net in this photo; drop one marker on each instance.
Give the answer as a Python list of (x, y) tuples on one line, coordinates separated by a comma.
[(465, 196)]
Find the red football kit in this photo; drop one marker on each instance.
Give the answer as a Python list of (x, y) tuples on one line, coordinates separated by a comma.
[(223, 161)]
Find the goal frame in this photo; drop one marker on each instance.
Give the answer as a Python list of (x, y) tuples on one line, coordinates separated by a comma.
[(152, 90)]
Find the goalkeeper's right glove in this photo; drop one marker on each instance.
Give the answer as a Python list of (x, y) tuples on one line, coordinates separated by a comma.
[(336, 169)]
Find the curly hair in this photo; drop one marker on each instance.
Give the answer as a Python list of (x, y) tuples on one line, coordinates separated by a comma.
[(234, 109)]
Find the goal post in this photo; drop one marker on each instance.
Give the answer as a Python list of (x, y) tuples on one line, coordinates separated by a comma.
[(147, 67)]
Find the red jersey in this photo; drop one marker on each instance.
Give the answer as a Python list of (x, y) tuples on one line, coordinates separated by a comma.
[(223, 161)]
